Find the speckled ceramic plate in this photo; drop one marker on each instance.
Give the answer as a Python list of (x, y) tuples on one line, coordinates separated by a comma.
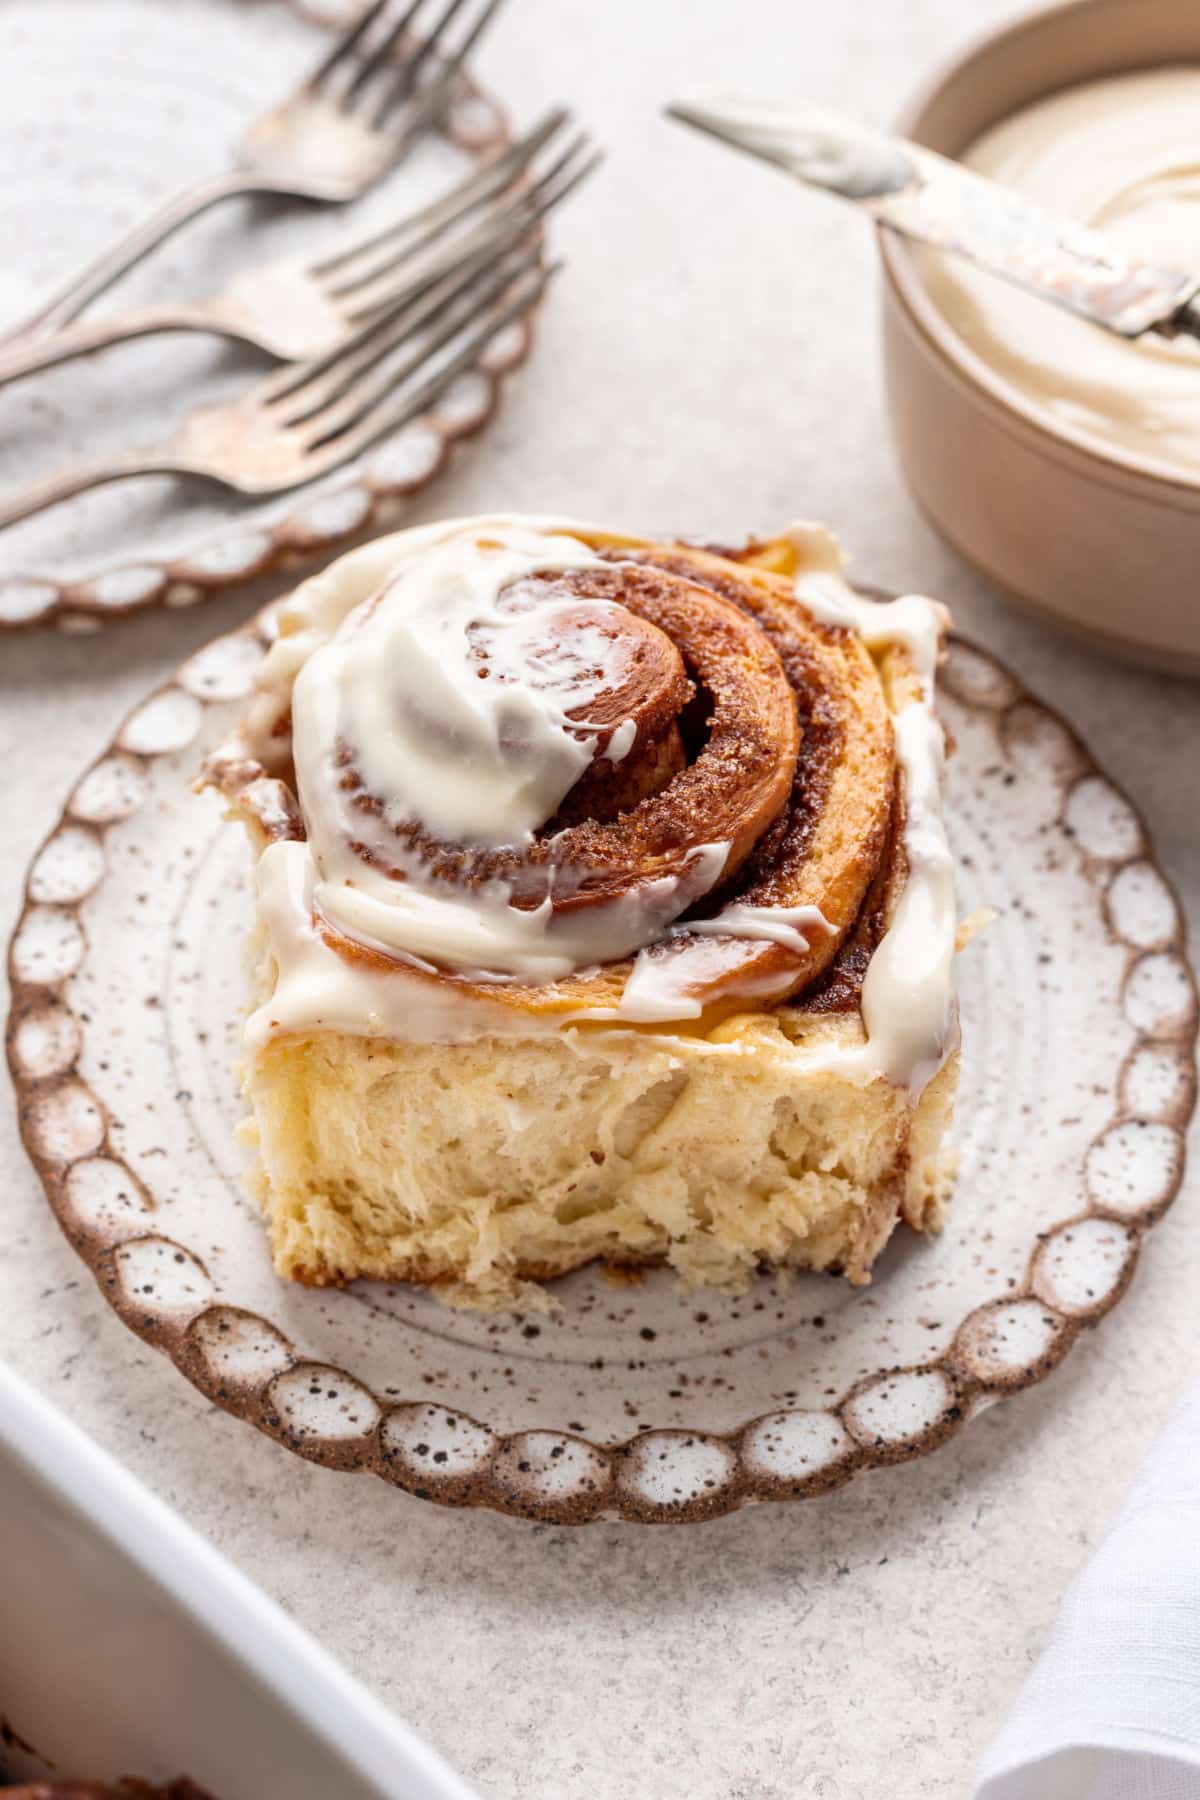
[(642, 1402), (106, 107)]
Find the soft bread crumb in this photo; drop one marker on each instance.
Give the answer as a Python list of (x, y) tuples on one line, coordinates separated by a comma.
[(489, 1166)]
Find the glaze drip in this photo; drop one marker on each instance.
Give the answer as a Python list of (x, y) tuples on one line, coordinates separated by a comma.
[(550, 779)]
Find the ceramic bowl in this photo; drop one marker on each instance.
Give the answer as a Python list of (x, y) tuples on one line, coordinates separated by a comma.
[(1104, 542)]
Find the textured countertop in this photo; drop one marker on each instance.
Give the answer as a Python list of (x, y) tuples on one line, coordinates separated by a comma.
[(707, 364)]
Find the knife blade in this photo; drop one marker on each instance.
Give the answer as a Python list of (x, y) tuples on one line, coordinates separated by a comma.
[(925, 196)]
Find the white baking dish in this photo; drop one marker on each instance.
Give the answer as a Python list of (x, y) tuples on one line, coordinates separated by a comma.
[(128, 1646)]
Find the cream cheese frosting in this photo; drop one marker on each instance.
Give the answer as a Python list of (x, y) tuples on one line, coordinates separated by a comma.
[(1121, 155), (482, 761), (410, 602), (908, 1001)]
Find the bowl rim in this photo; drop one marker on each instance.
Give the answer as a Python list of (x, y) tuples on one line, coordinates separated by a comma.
[(1064, 442)]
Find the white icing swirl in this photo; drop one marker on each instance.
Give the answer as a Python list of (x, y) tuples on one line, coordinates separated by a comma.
[(477, 752), (408, 604), (461, 698)]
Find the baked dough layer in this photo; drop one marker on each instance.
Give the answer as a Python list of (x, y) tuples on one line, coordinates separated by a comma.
[(485, 1166)]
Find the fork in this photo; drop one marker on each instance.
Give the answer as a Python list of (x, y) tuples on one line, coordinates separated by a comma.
[(308, 417), (293, 310), (342, 128)]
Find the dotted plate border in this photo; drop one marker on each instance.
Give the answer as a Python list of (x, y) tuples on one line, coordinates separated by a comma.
[(1076, 1271), (371, 497)]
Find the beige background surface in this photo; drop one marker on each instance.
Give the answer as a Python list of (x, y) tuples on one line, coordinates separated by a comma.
[(708, 365)]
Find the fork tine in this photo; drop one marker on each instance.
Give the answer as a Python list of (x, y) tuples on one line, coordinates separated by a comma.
[(388, 331), (546, 179), (420, 297), (409, 235), (424, 50), (346, 357), (513, 221), (530, 205), (515, 214), (380, 54), (385, 373), (347, 44), (394, 411), (427, 101), (295, 378), (469, 299)]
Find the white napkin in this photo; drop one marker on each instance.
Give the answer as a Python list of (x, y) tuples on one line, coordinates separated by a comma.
[(1112, 1709)]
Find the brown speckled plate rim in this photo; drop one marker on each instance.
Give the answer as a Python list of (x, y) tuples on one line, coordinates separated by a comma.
[(319, 519), (560, 1476)]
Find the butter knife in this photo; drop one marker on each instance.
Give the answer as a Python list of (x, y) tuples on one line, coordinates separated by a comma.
[(926, 196)]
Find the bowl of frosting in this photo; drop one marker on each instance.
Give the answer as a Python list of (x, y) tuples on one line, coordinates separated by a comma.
[(1063, 461)]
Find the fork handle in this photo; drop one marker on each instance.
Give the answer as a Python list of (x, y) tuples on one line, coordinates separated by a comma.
[(28, 355), (89, 472), (121, 256)]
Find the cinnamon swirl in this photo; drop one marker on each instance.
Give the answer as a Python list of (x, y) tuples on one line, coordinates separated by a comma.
[(605, 911)]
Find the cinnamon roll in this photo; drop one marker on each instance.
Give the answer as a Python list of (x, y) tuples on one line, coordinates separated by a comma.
[(604, 911)]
